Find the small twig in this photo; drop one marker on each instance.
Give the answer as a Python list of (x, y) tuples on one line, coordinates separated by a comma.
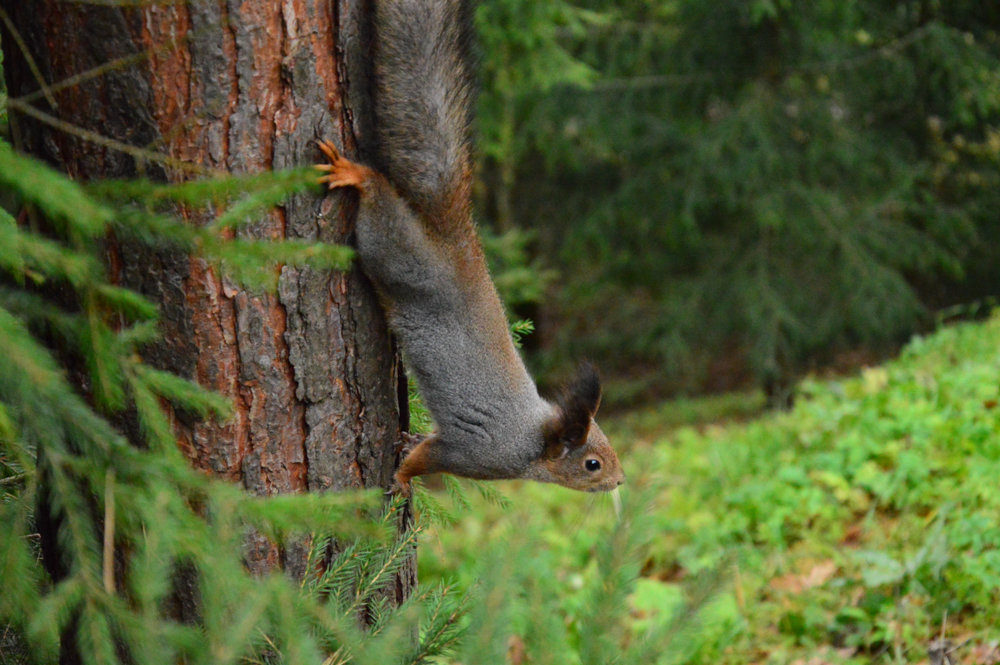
[(87, 135), (126, 3), (123, 61), (667, 80), (109, 531), (647, 81), (94, 72), (939, 651), (10, 480), (32, 65), (741, 602)]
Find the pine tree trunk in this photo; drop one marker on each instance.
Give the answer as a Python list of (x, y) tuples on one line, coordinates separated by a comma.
[(243, 87)]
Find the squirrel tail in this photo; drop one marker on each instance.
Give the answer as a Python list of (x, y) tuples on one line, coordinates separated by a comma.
[(424, 100)]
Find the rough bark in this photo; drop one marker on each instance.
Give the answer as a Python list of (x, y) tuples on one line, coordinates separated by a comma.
[(239, 86)]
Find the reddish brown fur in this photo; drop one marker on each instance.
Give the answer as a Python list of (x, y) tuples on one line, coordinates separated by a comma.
[(417, 463)]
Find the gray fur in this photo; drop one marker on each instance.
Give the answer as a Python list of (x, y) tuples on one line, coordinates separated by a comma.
[(488, 412)]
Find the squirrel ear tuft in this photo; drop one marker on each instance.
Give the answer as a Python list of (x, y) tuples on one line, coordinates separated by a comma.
[(585, 389), (575, 406)]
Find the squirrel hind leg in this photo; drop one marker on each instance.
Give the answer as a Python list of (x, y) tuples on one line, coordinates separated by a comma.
[(340, 171), (418, 462), (408, 441)]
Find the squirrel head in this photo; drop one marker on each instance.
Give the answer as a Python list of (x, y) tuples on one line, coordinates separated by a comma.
[(577, 454)]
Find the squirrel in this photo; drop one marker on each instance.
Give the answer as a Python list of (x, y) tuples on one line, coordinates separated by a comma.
[(416, 241)]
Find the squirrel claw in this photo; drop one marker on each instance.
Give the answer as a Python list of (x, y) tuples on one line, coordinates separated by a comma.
[(329, 148), (340, 172), (407, 442), (399, 488)]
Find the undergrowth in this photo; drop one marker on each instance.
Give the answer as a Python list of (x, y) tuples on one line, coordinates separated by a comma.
[(134, 523), (862, 526)]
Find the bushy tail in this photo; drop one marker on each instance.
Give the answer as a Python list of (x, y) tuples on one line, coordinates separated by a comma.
[(423, 101)]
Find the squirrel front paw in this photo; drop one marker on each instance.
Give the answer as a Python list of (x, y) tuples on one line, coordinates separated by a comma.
[(340, 171)]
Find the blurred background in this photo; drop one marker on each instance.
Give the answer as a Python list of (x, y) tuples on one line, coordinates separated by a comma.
[(709, 196)]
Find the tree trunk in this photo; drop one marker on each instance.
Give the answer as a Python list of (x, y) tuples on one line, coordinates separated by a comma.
[(239, 86)]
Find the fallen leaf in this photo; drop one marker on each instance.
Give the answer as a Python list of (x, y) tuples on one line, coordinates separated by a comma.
[(515, 650), (797, 583), (852, 535), (986, 654), (820, 574)]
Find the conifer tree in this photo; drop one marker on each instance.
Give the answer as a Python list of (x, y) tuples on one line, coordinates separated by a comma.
[(736, 191), (177, 93)]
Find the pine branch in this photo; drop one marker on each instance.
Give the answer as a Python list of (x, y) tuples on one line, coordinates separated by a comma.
[(58, 197)]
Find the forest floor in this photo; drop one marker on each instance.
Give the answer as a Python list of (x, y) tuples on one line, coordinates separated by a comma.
[(861, 526)]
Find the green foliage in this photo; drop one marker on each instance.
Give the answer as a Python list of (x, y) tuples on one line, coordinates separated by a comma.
[(520, 329), (523, 58), (520, 279), (748, 187), (142, 214), (3, 97), (850, 529), (551, 586)]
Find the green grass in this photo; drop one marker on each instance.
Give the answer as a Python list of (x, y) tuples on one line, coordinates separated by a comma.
[(855, 528)]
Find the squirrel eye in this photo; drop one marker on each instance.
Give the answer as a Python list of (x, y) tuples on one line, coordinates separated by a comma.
[(592, 464)]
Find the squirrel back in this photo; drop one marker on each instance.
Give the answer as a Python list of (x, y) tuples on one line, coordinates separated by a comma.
[(423, 125)]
